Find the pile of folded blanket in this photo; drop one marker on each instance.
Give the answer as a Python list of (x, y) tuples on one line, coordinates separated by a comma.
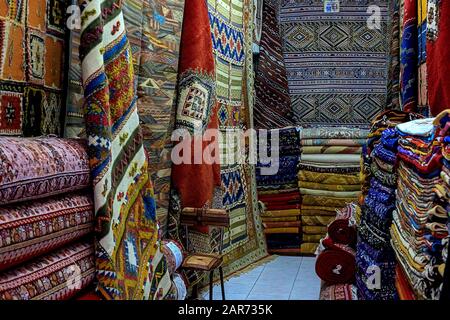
[(279, 192), (46, 219), (443, 120), (436, 231), (374, 249), (335, 264), (375, 256), (329, 177), (419, 228)]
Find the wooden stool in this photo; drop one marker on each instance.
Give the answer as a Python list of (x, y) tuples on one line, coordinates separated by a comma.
[(206, 262)]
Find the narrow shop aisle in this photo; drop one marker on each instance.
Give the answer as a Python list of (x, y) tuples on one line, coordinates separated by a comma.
[(285, 278)]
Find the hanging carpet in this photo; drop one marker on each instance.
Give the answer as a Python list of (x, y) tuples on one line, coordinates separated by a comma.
[(337, 63)]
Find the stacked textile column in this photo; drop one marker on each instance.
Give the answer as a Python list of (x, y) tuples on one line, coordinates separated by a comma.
[(279, 193), (444, 120), (374, 251), (373, 248), (328, 177), (46, 219), (419, 227)]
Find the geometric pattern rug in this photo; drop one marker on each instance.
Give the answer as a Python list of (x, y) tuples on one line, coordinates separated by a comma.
[(337, 63), (154, 31), (232, 33)]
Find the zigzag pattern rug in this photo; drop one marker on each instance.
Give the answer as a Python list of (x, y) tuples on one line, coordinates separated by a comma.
[(337, 63)]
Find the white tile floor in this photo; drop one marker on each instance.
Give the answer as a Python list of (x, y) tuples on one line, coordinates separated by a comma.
[(285, 278)]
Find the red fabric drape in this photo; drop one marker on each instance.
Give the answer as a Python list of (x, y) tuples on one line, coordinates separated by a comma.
[(438, 65), (196, 182)]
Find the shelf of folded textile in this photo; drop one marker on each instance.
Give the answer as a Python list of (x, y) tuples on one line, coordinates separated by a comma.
[(335, 263), (279, 192), (419, 230), (328, 177)]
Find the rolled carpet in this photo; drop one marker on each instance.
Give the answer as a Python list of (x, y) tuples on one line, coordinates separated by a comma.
[(36, 168), (59, 275), (339, 292), (336, 264), (38, 227), (340, 231)]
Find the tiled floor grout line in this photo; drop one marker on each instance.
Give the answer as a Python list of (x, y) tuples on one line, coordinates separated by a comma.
[(295, 279), (259, 276)]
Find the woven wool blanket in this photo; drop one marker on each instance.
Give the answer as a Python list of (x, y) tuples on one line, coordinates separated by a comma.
[(129, 261)]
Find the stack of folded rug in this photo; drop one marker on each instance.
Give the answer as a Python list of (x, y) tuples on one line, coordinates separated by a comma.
[(374, 251), (384, 120), (374, 248), (328, 177), (419, 228), (335, 263), (443, 120), (279, 193), (46, 219), (436, 231)]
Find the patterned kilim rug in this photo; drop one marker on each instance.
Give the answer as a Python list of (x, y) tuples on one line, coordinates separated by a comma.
[(231, 31), (157, 78), (154, 31), (409, 55), (337, 63), (129, 261), (273, 105)]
